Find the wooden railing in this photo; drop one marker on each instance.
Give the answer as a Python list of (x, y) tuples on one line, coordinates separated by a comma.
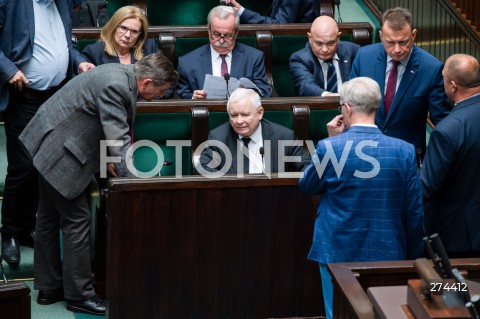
[(442, 31), (470, 10)]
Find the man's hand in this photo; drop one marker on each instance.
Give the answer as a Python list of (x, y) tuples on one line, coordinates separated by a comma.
[(199, 94), (85, 66), (336, 126), (111, 170), (235, 4), (19, 81)]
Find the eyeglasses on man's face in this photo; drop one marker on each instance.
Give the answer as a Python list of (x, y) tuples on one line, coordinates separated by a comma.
[(134, 33), (225, 37)]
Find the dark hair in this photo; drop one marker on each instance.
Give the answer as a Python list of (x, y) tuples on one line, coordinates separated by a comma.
[(157, 67), (397, 18)]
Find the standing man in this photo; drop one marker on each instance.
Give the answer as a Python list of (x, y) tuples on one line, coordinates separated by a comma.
[(222, 55), (325, 63), (410, 80), (64, 140), (247, 132), (36, 59), (371, 204), (449, 176), (281, 11)]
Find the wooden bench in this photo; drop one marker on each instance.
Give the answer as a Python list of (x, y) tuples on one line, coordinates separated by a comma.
[(276, 41), (191, 120)]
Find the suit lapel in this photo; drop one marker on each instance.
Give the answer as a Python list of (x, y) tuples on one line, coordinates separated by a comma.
[(408, 76), (267, 135), (205, 63), (380, 67), (232, 138), (343, 62), (237, 61)]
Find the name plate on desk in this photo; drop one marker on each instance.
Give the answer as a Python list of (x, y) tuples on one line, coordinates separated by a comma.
[(389, 302)]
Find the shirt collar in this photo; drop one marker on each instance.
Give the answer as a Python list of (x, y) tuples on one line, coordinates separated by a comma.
[(403, 62), (216, 55), (47, 2), (335, 57), (257, 135)]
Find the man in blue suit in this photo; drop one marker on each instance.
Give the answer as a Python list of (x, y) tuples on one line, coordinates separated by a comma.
[(36, 59), (309, 66), (371, 203), (417, 83), (223, 54), (449, 176), (281, 11)]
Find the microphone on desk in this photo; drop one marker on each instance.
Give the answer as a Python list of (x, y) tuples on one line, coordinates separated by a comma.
[(226, 76), (3, 272), (166, 163), (262, 152)]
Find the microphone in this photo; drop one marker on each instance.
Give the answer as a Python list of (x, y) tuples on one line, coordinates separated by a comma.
[(262, 152), (226, 76), (3, 272), (166, 163)]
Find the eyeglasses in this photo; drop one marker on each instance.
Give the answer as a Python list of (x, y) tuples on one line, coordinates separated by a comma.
[(134, 33), (225, 37), (340, 107)]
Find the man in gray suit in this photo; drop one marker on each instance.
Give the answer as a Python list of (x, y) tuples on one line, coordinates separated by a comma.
[(64, 139)]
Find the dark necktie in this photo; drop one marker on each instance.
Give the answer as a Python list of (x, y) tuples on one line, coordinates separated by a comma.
[(391, 87), (224, 68), (331, 77), (246, 161)]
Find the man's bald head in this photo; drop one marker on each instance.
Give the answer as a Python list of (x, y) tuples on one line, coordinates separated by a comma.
[(461, 76), (324, 37)]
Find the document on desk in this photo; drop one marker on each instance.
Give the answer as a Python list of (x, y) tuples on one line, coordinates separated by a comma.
[(216, 86)]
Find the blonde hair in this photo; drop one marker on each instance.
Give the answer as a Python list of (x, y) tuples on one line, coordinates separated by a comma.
[(108, 31)]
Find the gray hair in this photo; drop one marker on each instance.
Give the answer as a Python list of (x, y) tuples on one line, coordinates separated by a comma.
[(361, 93), (397, 18), (241, 94), (222, 12), (157, 67)]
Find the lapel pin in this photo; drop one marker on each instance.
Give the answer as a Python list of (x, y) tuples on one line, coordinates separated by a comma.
[(411, 71), (345, 61)]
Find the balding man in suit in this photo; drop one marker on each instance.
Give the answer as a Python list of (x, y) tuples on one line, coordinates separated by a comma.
[(64, 140), (325, 63)]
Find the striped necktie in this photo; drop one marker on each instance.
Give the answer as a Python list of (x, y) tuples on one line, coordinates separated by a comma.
[(331, 77)]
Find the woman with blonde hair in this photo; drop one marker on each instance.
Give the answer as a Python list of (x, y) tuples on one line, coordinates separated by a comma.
[(123, 39)]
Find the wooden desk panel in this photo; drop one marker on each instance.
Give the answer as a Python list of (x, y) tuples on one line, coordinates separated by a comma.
[(210, 248)]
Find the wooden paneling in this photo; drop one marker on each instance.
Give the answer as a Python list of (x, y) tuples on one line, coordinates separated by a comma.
[(211, 248)]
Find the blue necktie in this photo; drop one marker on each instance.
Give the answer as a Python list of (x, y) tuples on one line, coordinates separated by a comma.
[(331, 77)]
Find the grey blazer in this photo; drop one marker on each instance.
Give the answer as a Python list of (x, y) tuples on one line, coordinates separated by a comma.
[(64, 136)]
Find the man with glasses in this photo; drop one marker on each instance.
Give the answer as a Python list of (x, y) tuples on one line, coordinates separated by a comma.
[(410, 80), (324, 64), (222, 55), (370, 207)]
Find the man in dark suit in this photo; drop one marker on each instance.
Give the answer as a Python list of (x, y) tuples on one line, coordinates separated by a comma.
[(310, 66), (223, 54), (449, 176), (32, 67), (248, 134), (416, 84), (281, 11), (371, 205), (65, 139)]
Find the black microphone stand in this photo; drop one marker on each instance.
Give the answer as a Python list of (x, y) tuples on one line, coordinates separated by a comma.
[(226, 76)]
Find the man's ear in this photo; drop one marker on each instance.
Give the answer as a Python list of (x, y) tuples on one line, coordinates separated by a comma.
[(260, 112), (145, 82)]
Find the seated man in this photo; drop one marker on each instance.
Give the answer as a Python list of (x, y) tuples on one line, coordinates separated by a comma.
[(281, 11), (325, 63), (248, 134), (223, 55)]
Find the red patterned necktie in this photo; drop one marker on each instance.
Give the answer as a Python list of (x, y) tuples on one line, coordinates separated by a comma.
[(391, 87), (224, 68)]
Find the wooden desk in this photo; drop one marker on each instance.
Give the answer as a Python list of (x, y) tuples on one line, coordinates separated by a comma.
[(211, 248), (351, 281)]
